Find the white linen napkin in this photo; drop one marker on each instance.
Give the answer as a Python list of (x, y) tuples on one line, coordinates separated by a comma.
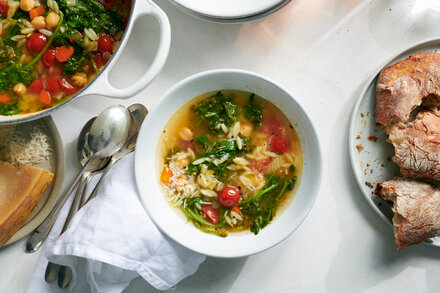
[(111, 241)]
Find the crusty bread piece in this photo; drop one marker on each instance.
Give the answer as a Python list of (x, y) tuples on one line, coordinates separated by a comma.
[(417, 146), (401, 87), (21, 189), (416, 209)]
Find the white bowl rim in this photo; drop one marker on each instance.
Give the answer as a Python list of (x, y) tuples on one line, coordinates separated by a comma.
[(318, 171)]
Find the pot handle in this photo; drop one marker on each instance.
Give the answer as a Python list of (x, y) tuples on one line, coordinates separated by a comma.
[(101, 85)]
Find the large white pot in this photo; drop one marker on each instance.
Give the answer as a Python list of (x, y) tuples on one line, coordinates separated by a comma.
[(101, 85)]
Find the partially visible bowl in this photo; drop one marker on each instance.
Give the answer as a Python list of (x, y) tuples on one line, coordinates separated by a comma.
[(147, 175)]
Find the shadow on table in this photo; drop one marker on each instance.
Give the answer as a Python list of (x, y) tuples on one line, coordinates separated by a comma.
[(212, 276), (350, 266)]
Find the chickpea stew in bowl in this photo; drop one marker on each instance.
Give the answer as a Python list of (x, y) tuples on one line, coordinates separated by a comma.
[(229, 160), (51, 49)]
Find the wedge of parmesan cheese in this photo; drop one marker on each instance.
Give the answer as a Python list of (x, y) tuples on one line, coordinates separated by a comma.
[(21, 189)]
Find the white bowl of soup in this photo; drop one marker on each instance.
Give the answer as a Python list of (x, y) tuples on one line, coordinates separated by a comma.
[(227, 163)]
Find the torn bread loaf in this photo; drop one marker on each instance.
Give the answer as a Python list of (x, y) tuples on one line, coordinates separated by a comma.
[(21, 189), (417, 146), (403, 86), (416, 209)]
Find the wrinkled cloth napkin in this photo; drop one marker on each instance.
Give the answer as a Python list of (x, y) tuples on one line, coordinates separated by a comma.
[(111, 241)]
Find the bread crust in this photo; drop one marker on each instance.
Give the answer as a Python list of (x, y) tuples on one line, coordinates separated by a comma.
[(416, 207), (401, 87), (417, 146)]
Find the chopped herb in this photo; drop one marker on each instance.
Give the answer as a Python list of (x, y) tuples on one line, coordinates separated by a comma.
[(362, 115), (216, 111), (253, 111), (292, 168), (9, 109)]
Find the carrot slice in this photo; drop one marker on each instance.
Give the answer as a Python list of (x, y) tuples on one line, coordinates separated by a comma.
[(37, 11), (166, 175), (5, 98), (236, 210), (64, 53), (45, 98)]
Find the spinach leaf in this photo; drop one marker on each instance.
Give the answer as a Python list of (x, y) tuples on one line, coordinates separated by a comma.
[(215, 111), (253, 111), (9, 109), (76, 62), (12, 74)]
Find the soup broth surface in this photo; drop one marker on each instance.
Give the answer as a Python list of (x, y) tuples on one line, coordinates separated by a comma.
[(230, 161)]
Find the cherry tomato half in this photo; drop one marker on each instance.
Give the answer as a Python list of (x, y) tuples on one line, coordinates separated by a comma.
[(279, 144), (4, 7), (210, 213), (36, 86), (36, 42), (105, 44), (271, 126), (49, 57), (66, 86), (229, 196), (52, 85)]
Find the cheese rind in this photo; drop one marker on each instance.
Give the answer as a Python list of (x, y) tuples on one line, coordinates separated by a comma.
[(21, 189)]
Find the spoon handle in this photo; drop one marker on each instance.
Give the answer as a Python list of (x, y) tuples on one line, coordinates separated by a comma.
[(40, 234), (105, 171)]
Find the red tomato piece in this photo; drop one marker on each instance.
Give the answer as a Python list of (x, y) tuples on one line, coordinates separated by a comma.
[(36, 86), (229, 196), (49, 57), (210, 213), (66, 86), (5, 98), (36, 42), (260, 165), (45, 98), (105, 44), (271, 126), (279, 144), (98, 60), (52, 85), (108, 4), (4, 7), (63, 53)]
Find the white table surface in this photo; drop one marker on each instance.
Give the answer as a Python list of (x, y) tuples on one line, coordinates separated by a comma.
[(323, 52)]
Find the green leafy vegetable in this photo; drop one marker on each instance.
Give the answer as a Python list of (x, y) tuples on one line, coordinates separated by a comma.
[(262, 207), (253, 111), (215, 111), (9, 109), (12, 74)]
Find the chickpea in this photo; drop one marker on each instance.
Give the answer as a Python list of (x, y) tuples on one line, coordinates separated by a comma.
[(80, 79), (38, 22), (186, 134), (25, 58), (27, 5), (52, 19), (19, 89)]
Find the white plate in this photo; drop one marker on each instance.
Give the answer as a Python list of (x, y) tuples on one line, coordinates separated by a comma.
[(373, 164), (226, 9), (147, 170), (55, 164)]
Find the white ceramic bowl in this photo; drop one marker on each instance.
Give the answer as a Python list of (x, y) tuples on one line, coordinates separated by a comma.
[(147, 173)]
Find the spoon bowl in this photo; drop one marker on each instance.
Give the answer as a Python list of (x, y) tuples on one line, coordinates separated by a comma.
[(109, 131)]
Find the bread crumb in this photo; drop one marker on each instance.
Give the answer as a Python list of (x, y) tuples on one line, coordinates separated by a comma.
[(372, 138), (359, 147)]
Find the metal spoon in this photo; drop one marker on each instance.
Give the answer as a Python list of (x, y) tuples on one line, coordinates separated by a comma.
[(107, 135), (83, 153), (138, 113)]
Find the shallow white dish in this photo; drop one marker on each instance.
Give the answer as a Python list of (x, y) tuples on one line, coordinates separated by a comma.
[(147, 173), (373, 163), (55, 164), (226, 9)]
